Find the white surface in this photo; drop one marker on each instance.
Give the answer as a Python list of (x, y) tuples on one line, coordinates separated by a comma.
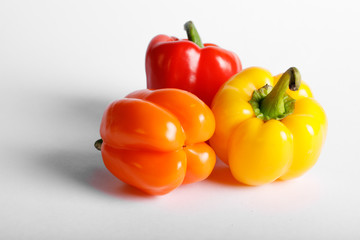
[(62, 62)]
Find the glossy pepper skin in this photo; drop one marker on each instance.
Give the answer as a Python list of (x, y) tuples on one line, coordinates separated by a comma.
[(260, 151), (201, 70), (155, 140)]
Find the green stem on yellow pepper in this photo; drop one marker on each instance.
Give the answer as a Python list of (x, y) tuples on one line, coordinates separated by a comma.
[(274, 103), (193, 34)]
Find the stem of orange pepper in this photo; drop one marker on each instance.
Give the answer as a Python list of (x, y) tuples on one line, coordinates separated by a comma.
[(193, 34), (98, 144)]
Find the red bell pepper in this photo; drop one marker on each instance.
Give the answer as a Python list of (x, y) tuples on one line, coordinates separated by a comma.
[(189, 65)]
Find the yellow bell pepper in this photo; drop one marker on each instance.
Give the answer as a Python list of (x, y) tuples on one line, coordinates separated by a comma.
[(266, 133)]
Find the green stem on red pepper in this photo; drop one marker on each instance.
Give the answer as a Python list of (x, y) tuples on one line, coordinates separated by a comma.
[(193, 34), (274, 103)]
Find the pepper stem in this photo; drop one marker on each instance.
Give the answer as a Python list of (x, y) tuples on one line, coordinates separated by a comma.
[(193, 34), (98, 144), (273, 105)]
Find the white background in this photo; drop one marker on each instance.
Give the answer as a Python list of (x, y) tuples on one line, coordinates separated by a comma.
[(63, 62)]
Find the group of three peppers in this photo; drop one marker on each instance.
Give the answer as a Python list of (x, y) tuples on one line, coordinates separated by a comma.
[(155, 140)]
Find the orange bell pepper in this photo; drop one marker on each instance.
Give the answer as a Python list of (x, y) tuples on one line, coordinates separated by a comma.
[(155, 140)]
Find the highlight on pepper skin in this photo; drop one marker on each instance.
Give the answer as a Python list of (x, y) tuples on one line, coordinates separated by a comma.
[(267, 127), (154, 140)]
